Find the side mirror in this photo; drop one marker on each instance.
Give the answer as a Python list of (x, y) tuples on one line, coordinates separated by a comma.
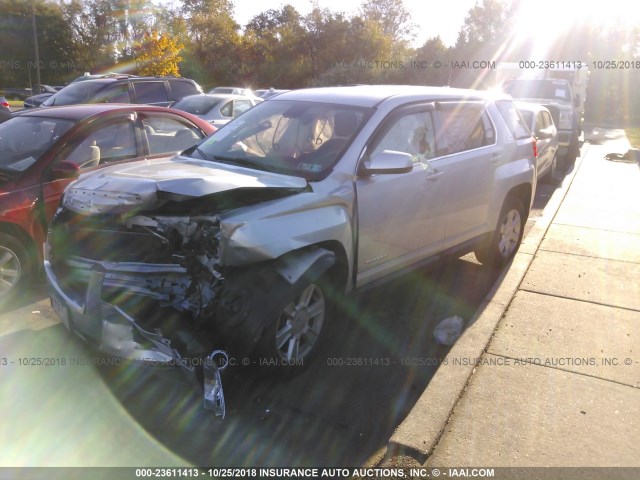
[(544, 134), (387, 162), (65, 169)]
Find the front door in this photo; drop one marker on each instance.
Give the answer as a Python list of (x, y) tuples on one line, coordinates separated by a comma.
[(399, 219)]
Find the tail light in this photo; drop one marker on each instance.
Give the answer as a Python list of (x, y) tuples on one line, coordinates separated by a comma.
[(535, 147), (5, 104)]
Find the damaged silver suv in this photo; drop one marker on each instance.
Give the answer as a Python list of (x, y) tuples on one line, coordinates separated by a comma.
[(247, 240)]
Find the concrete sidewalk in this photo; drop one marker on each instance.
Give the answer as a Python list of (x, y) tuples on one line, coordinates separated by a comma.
[(548, 374)]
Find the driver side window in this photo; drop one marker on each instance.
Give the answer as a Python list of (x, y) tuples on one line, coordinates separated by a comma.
[(413, 134)]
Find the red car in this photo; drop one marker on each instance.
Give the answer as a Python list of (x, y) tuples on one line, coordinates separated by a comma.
[(43, 150)]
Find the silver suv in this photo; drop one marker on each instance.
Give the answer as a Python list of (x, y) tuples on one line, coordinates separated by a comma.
[(249, 239)]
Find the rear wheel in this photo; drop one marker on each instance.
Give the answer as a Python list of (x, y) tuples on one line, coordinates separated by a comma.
[(506, 239), (570, 157)]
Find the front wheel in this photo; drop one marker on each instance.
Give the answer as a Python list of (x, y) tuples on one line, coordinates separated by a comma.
[(506, 239), (293, 335)]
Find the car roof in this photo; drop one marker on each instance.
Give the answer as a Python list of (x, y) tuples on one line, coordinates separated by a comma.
[(373, 95), (77, 112), (219, 96), (531, 106)]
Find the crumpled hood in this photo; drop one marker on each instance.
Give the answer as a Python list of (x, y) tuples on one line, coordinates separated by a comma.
[(144, 182)]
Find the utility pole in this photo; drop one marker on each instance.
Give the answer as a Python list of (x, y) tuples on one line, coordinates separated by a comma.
[(35, 43)]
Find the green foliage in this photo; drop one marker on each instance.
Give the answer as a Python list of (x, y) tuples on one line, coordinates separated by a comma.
[(17, 56), (284, 49)]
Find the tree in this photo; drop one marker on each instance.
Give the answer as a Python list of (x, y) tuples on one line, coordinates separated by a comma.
[(158, 55), (17, 56), (484, 36), (212, 38), (273, 50), (391, 16)]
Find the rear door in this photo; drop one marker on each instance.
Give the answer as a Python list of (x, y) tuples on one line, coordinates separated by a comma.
[(152, 92), (166, 134), (467, 170)]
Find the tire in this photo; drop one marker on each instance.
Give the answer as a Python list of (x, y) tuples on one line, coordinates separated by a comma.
[(256, 305), (570, 158), (551, 176), (294, 332), (506, 238), (14, 266)]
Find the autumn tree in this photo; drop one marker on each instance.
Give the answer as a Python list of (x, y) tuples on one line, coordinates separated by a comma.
[(158, 55)]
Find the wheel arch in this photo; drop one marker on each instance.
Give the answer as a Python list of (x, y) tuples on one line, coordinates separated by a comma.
[(25, 240)]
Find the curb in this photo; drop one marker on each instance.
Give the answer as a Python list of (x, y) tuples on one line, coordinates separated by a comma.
[(417, 436)]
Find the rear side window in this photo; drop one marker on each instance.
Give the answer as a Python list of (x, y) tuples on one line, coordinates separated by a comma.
[(513, 119), (150, 92), (166, 134), (465, 125), (182, 88), (118, 93)]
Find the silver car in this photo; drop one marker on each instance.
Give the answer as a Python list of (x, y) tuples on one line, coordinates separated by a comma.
[(249, 239), (217, 109), (540, 122)]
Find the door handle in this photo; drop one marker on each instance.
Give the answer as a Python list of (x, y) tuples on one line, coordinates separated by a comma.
[(496, 157), (435, 175)]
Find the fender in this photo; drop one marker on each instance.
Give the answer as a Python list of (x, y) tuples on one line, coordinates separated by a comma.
[(308, 264), (293, 224)]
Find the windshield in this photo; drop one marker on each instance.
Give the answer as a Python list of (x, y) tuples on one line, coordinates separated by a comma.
[(291, 137), (197, 104), (547, 89), (74, 93), (23, 139)]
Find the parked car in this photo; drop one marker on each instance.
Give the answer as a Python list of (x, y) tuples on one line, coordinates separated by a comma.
[(160, 91), (36, 100), (88, 76), (217, 109), (253, 235), (4, 104), (268, 93), (42, 150), (232, 90), (557, 97), (540, 122)]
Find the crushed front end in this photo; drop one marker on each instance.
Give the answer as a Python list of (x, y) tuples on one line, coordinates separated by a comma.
[(139, 287)]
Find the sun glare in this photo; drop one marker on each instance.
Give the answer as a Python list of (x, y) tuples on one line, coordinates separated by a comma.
[(539, 22)]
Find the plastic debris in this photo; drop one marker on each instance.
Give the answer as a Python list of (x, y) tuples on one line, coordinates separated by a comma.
[(213, 394), (448, 330)]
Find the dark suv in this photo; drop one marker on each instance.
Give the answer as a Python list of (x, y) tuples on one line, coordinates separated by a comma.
[(160, 91)]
